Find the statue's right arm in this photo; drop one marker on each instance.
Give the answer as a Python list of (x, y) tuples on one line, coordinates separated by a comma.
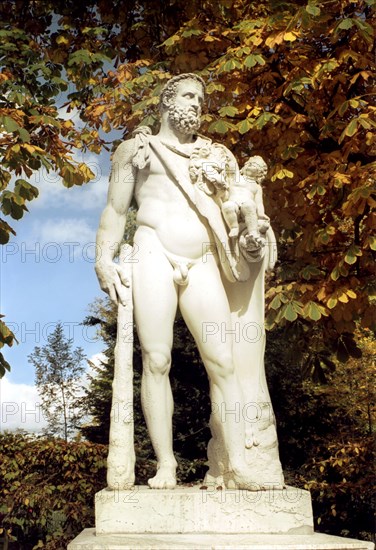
[(112, 223)]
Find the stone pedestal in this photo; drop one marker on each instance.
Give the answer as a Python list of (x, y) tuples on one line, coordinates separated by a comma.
[(196, 518)]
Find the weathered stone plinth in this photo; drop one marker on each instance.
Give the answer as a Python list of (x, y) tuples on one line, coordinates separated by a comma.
[(195, 510), (195, 518)]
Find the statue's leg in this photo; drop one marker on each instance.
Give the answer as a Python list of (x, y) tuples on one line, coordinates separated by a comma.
[(204, 306), (249, 211), (230, 213), (155, 302)]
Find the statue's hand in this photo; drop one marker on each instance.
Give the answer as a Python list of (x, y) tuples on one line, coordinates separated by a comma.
[(112, 280)]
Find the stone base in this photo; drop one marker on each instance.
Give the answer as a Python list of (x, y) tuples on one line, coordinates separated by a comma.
[(193, 518), (195, 510), (88, 540)]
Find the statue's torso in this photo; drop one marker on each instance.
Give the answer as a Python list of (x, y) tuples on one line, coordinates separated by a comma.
[(163, 206)]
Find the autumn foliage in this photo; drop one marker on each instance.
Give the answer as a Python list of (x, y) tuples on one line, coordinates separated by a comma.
[(291, 81), (47, 489)]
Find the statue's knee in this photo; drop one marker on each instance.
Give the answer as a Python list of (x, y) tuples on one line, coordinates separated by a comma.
[(222, 367), (248, 208), (156, 362), (228, 207)]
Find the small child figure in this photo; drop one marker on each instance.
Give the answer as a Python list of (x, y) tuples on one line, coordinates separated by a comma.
[(245, 199)]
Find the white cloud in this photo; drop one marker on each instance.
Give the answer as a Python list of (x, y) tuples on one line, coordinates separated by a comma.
[(20, 407), (63, 230), (63, 238), (89, 196)]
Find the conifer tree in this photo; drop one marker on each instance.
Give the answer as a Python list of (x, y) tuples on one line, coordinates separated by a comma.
[(58, 372)]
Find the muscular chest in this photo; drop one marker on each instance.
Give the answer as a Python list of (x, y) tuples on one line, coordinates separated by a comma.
[(157, 181)]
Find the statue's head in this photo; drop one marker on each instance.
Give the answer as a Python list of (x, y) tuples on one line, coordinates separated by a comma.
[(182, 98), (255, 167), (170, 89)]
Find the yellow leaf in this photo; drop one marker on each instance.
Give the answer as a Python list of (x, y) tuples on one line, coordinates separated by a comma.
[(282, 174), (343, 298), (62, 40), (29, 148), (321, 294), (351, 294), (26, 501), (289, 36)]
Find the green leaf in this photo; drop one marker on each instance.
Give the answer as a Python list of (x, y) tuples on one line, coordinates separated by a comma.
[(214, 87), (312, 9), (345, 24), (6, 335), (351, 128), (332, 302), (264, 118), (4, 365), (250, 61), (335, 274), (276, 302), (244, 126), (310, 271), (26, 190), (289, 312), (171, 41), (352, 254), (191, 32), (10, 124), (230, 110), (343, 108), (220, 127), (230, 65), (24, 135), (313, 311), (254, 59)]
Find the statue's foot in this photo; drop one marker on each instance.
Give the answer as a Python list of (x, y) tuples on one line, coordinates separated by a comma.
[(165, 478), (263, 226), (254, 241), (244, 480)]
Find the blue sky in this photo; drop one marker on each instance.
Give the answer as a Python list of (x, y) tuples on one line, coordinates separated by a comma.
[(47, 275)]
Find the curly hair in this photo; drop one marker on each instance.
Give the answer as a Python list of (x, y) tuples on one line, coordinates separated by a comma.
[(169, 90), (257, 164)]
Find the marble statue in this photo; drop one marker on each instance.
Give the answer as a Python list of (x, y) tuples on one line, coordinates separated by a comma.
[(186, 188), (245, 199)]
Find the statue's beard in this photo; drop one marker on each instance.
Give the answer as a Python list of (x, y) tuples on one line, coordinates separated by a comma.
[(186, 121)]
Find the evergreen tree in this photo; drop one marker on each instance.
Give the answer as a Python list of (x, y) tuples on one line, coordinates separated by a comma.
[(58, 370)]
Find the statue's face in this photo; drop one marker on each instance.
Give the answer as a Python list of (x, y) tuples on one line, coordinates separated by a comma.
[(189, 95), (185, 109)]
